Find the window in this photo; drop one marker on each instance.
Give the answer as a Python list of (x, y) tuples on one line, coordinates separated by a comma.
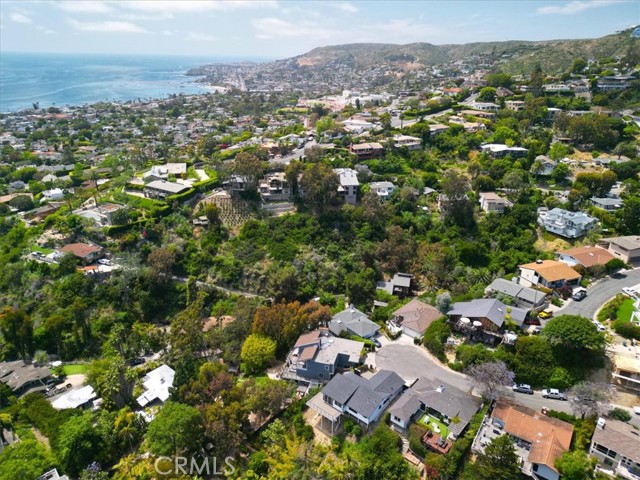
[(608, 462), (326, 367), (321, 375)]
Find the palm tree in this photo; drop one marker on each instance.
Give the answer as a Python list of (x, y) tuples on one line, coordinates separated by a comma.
[(127, 426)]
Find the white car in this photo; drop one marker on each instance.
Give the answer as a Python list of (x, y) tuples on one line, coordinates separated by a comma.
[(599, 326), (632, 292), (104, 261), (636, 410)]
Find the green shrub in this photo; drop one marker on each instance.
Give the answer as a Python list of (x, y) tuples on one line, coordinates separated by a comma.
[(416, 433), (620, 414), (435, 338), (628, 330)]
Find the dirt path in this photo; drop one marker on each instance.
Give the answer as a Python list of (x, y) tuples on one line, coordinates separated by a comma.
[(40, 437)]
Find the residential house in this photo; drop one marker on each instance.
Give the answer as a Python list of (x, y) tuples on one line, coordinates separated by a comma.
[(85, 252), (539, 440), (274, 187), (607, 203), (415, 317), (522, 297), (360, 398), (401, 285), (548, 273), (491, 202), (479, 113), (408, 142), (625, 248), (586, 256), (498, 150), (485, 317), (52, 475), (52, 195), (565, 223), (367, 151), (156, 384), (163, 189), (616, 445), (435, 397), (436, 129), (546, 166), (556, 88), (317, 356), (102, 215), (484, 106), (22, 377), (348, 189), (383, 189), (162, 172), (515, 105), (626, 371), (78, 398), (619, 82), (353, 322)]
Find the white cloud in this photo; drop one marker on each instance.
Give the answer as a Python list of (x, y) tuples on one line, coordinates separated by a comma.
[(575, 7), (194, 6), (270, 27), (200, 37), (346, 7), (20, 17), (84, 6), (168, 33), (107, 26), (46, 30)]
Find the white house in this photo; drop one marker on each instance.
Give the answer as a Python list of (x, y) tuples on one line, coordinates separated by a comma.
[(348, 189), (492, 202), (80, 397), (156, 384), (383, 189), (53, 194), (565, 223)]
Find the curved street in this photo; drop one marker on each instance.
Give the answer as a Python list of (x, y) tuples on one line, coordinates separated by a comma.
[(600, 293)]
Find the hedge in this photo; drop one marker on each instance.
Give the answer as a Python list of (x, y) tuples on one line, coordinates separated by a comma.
[(123, 228)]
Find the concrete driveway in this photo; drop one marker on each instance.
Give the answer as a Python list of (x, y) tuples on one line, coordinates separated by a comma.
[(601, 293)]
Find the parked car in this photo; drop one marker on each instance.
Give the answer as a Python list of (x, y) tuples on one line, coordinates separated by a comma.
[(554, 394), (376, 342), (636, 410), (135, 361), (522, 388), (53, 381), (579, 294), (599, 326), (632, 292), (104, 261), (545, 314)]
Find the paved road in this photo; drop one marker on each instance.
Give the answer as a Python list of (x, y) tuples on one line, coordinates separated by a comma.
[(411, 362), (600, 293)]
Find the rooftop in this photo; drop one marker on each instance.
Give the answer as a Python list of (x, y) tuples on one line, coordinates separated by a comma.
[(588, 255), (81, 250), (549, 437), (620, 437), (552, 271)]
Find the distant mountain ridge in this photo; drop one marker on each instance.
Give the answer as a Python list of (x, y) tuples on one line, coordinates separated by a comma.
[(519, 55)]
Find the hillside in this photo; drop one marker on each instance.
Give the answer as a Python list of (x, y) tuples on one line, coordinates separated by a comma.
[(519, 56)]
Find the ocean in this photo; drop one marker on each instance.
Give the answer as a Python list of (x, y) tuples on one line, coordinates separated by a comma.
[(77, 79)]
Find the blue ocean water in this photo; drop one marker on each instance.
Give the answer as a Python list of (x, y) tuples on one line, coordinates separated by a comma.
[(76, 79)]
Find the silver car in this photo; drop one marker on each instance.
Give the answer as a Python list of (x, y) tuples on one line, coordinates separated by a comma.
[(554, 394)]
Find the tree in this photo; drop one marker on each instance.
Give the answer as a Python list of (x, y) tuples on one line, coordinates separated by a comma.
[(17, 330), (576, 465), (313, 154), (319, 184), (267, 398), (249, 167), (22, 203), (490, 377), (614, 265), (177, 429), (360, 287), (487, 94), (257, 353), (160, 262), (558, 151), (25, 459), (574, 332), (591, 398), (627, 149), (499, 461), (579, 64), (628, 217), (79, 443), (443, 302), (435, 337), (112, 380), (397, 251), (456, 205), (560, 173)]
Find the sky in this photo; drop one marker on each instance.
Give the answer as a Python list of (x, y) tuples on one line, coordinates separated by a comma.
[(280, 28)]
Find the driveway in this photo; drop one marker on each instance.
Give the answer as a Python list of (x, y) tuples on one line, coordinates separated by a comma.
[(600, 293)]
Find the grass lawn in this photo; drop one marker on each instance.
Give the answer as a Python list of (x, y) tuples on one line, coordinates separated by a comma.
[(623, 314), (74, 368), (44, 251), (428, 420)]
